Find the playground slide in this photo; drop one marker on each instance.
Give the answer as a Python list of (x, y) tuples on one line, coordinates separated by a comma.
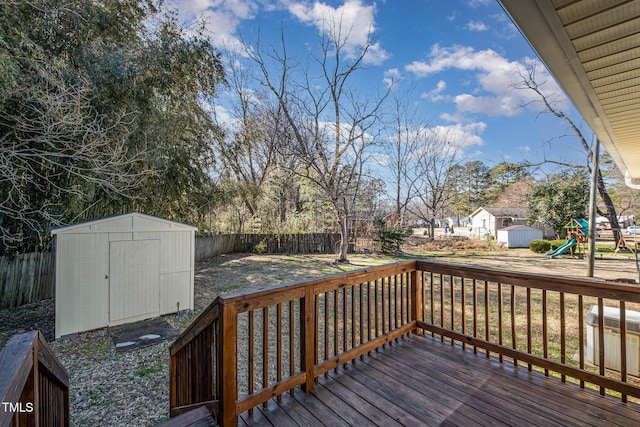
[(562, 249)]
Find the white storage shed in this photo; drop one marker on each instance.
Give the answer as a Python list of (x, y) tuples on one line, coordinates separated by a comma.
[(121, 269), (518, 236)]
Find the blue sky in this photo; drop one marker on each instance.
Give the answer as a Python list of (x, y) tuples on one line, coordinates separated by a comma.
[(459, 56)]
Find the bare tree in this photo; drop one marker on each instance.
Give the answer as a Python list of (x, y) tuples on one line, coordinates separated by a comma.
[(54, 152), (529, 82), (329, 125), (400, 149), (434, 171), (249, 149)]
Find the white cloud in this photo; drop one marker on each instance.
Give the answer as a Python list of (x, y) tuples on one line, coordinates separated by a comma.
[(392, 76), (476, 3), (495, 78), (221, 18), (466, 135), (435, 95), (476, 26), (353, 20)]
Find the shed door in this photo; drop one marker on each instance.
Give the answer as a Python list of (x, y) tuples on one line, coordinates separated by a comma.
[(134, 280)]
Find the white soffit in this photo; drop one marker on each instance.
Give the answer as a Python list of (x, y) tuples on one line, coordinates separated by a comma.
[(592, 47)]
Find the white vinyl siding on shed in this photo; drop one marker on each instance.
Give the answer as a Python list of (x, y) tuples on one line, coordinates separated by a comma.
[(518, 236), (121, 269)]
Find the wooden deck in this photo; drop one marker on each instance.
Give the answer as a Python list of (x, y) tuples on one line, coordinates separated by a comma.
[(421, 381)]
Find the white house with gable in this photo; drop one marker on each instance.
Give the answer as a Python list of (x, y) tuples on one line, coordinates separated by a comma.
[(487, 221)]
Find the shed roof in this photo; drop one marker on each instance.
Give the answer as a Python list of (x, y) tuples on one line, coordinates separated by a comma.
[(503, 212), (515, 227), (133, 221)]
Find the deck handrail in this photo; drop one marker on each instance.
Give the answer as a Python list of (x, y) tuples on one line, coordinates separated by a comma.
[(262, 343), (478, 307), (34, 386), (204, 363)]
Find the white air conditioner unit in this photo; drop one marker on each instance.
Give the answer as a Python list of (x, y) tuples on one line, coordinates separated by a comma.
[(612, 352)]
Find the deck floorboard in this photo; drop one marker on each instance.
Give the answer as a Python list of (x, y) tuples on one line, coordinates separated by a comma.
[(423, 382)]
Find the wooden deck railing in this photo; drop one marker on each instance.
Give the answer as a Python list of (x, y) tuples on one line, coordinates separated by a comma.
[(249, 347), (34, 386), (536, 320)]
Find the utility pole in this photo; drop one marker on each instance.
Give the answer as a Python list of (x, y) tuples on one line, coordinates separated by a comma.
[(595, 164)]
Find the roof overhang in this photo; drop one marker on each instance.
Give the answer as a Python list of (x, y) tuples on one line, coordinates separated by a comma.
[(592, 48)]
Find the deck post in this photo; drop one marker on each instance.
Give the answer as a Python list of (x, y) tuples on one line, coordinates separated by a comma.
[(417, 296), (227, 386), (307, 338)]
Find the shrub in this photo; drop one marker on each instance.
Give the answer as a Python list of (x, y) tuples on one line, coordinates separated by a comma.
[(540, 246), (555, 244), (390, 239)]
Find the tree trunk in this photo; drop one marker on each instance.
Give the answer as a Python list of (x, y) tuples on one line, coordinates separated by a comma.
[(344, 239), (432, 229), (608, 203)]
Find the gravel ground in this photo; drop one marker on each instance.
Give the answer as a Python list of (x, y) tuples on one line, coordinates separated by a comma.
[(132, 389)]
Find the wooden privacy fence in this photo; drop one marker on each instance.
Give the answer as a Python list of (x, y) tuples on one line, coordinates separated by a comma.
[(30, 277), (324, 243), (26, 278), (210, 246), (34, 386), (250, 347)]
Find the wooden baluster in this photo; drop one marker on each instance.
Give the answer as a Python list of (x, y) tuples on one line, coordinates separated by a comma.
[(545, 329), (326, 329), (623, 346), (336, 328), (389, 314), (265, 351), (463, 303), (529, 326), (316, 321), (500, 328), (377, 309), (512, 302), (486, 315), (581, 335), (403, 300), (250, 359), (292, 342), (452, 291), (432, 303), (397, 288), (441, 306), (563, 335), (369, 317), (601, 341), (475, 314), (345, 331), (384, 309), (279, 345), (361, 323), (353, 320)]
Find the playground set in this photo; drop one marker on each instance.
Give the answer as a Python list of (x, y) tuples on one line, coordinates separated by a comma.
[(578, 235)]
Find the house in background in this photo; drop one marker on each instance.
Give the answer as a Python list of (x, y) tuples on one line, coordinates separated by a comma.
[(487, 221)]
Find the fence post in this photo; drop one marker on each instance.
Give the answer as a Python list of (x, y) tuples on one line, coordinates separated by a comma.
[(417, 296), (227, 359), (307, 338)]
